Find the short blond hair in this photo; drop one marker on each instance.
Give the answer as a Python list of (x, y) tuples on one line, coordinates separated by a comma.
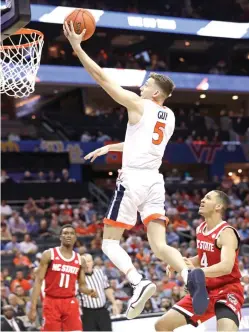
[(164, 82)]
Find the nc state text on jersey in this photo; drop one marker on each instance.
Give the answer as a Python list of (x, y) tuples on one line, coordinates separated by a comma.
[(205, 245), (65, 268)]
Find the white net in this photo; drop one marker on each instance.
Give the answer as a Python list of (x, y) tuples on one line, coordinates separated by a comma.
[(19, 62)]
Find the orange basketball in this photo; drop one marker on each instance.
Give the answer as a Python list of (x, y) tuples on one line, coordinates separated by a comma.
[(82, 19)]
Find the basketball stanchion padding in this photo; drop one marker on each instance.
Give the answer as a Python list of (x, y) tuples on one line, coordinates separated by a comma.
[(20, 60)]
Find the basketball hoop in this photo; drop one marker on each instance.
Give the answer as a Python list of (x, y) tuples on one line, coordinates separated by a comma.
[(20, 61)]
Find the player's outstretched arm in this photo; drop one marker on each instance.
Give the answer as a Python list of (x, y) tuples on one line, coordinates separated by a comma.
[(40, 275), (104, 150), (228, 242), (124, 97), (82, 281)]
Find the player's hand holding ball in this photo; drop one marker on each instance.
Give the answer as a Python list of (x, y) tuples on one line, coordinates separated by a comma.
[(79, 26)]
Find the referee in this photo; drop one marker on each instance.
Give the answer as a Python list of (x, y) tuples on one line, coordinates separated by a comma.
[(95, 314)]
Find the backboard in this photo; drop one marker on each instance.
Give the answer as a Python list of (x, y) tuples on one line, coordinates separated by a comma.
[(15, 14)]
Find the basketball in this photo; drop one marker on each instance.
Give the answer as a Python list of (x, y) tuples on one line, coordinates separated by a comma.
[(82, 19)]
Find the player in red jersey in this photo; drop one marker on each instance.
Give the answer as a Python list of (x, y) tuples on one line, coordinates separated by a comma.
[(217, 249), (60, 268)]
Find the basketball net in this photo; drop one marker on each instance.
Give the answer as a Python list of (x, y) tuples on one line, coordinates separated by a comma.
[(19, 62)]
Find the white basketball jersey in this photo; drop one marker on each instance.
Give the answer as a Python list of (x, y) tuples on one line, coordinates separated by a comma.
[(145, 142)]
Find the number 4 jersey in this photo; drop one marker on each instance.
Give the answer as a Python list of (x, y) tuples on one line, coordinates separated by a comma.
[(145, 142), (62, 274), (209, 254)]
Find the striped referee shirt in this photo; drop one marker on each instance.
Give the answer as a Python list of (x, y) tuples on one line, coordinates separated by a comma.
[(97, 280)]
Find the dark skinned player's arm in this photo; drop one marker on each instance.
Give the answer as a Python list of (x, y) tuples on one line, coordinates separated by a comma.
[(82, 281), (228, 242), (40, 275)]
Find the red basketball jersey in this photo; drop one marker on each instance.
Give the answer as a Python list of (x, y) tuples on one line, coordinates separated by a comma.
[(62, 274), (209, 254)]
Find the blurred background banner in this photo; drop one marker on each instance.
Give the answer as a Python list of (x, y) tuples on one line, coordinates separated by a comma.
[(134, 78), (130, 21), (219, 153)]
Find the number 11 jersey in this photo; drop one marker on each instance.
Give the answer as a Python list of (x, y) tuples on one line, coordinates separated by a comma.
[(209, 254), (62, 274)]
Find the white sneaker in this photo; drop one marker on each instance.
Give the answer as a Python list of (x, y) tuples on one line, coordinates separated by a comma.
[(141, 294)]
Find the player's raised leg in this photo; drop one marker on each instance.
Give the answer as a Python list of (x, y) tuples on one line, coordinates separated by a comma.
[(170, 321), (195, 279), (143, 288)]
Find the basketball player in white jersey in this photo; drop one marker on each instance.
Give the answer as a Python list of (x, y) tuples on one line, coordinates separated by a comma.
[(140, 186)]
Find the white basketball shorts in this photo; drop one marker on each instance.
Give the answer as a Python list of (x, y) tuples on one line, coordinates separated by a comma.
[(136, 191)]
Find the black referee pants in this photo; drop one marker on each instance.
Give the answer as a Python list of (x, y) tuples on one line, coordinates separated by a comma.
[(96, 320)]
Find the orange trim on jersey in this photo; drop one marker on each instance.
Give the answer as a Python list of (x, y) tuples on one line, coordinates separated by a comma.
[(116, 223), (155, 216)]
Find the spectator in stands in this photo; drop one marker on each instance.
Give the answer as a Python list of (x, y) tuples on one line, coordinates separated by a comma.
[(6, 210), (85, 137), (18, 309), (243, 271), (5, 177), (13, 245), (102, 137), (191, 251), (181, 227), (17, 225), (6, 277), (166, 304), (22, 299), (20, 281), (5, 233), (65, 176), (167, 283), (118, 292), (53, 207), (32, 226), (31, 208), (27, 177), (244, 231), (66, 208), (51, 176), (54, 228), (171, 235), (4, 297), (148, 307), (42, 203), (162, 292), (41, 177), (143, 256), (27, 246), (43, 231), (8, 321), (38, 257), (111, 271), (21, 260)]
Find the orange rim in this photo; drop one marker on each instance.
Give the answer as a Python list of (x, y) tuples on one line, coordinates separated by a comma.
[(24, 31)]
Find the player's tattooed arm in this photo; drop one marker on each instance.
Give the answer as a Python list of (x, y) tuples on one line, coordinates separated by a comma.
[(82, 281), (228, 243), (40, 275)]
